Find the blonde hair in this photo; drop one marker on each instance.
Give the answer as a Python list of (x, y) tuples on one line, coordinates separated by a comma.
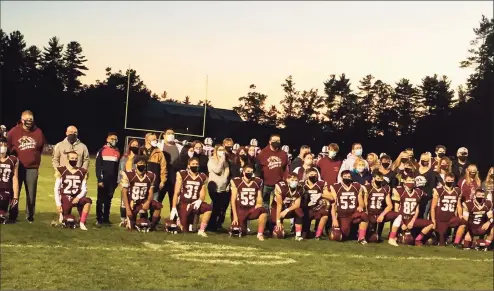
[(448, 161), (357, 161), (468, 179), (397, 162), (489, 182)]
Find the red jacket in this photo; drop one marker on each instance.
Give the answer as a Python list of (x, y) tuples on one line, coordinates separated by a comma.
[(26, 145), (274, 165)]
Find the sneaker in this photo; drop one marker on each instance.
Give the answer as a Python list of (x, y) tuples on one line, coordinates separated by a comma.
[(317, 238), (393, 242), (419, 243), (260, 237), (30, 219), (107, 222), (122, 224), (82, 226), (202, 233), (362, 241), (299, 238), (458, 246)]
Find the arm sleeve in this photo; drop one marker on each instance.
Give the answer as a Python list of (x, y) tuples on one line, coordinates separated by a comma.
[(58, 184), (215, 166), (98, 166), (163, 172), (85, 158), (56, 156), (83, 189)]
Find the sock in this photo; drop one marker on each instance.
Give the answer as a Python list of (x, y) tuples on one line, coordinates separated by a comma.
[(203, 226), (84, 217), (420, 236), (392, 235), (457, 238), (487, 242), (319, 230), (361, 234), (123, 214), (260, 229), (298, 229)]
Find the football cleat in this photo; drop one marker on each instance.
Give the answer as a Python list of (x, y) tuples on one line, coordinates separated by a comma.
[(278, 232), (143, 225), (299, 238), (392, 242), (82, 226), (69, 221), (260, 237), (202, 233), (336, 234), (362, 241), (171, 226), (3, 218)]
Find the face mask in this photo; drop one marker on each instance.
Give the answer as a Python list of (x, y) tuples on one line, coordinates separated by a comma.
[(3, 150), (248, 176), (252, 154), (444, 167), (194, 169), (360, 169), (170, 138), (27, 123), (293, 184), (197, 152), (154, 143), (313, 179), (229, 149), (385, 165), (220, 154), (440, 155), (244, 157), (409, 185), (450, 184), (408, 170), (134, 150), (492, 176), (480, 200), (472, 174), (404, 160), (424, 163), (358, 152), (190, 154), (462, 158), (275, 145), (141, 168), (72, 137), (347, 181), (73, 164), (331, 154), (378, 183), (112, 143)]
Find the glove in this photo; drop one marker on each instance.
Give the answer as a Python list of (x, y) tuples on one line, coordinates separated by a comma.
[(197, 204), (173, 213)]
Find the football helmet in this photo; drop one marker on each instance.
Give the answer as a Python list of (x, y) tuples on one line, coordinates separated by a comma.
[(69, 221), (253, 142), (408, 238), (235, 231), (3, 217), (325, 150), (278, 232), (171, 226), (143, 225), (420, 181), (336, 234), (374, 238), (208, 141), (285, 148), (236, 147)]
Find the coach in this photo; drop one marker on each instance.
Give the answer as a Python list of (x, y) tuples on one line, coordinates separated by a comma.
[(26, 141), (70, 144)]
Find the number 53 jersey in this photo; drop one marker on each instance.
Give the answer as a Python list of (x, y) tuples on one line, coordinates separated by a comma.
[(138, 186)]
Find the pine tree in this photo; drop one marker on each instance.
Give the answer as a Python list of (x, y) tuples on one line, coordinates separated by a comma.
[(272, 117), (74, 67), (187, 100), (289, 102), (406, 105), (310, 104), (251, 107), (33, 66), (53, 66), (437, 95)]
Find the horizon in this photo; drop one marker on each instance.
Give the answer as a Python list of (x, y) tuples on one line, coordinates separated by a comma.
[(189, 40)]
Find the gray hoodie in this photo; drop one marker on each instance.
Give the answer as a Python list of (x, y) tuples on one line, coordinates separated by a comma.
[(62, 148), (348, 165), (218, 174)]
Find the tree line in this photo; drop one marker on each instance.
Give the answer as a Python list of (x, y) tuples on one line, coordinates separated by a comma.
[(47, 81)]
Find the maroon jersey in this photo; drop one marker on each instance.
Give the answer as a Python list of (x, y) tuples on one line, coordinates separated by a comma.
[(71, 182), (288, 196), (477, 212), (138, 186), (446, 203), (7, 168), (468, 190), (247, 193), (191, 186), (408, 201), (314, 195), (376, 199), (346, 198)]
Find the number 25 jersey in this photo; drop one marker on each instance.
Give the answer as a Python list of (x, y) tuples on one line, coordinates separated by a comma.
[(191, 186), (71, 181), (138, 186)]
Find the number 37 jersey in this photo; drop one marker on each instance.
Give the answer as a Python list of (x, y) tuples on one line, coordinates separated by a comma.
[(138, 186), (191, 186)]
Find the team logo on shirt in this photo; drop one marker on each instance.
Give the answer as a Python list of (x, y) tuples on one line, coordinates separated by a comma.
[(274, 162), (26, 142)]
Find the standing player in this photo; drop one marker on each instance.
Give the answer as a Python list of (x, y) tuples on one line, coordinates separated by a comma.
[(9, 184), (479, 214), (379, 206), (190, 193), (286, 204), (408, 198), (71, 190), (315, 204), (348, 208), (446, 210), (137, 193), (247, 201)]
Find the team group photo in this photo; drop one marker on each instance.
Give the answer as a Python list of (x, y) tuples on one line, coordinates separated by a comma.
[(351, 184)]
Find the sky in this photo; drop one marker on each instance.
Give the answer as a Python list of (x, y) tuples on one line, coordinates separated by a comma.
[(175, 45)]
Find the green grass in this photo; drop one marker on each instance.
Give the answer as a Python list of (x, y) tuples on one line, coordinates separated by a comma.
[(38, 256)]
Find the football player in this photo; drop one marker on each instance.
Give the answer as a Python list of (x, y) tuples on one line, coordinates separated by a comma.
[(137, 194), (246, 201), (348, 208), (9, 184), (479, 214), (377, 200), (446, 210), (71, 190), (408, 199), (286, 204), (315, 204), (190, 194), (208, 146)]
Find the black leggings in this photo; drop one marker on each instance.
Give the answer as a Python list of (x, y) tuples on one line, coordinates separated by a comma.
[(220, 200)]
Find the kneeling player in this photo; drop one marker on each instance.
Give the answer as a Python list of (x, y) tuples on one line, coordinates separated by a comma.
[(286, 204), (446, 210), (137, 193), (316, 196), (379, 206), (190, 193), (246, 201), (408, 199), (71, 190), (479, 214), (348, 208), (9, 186)]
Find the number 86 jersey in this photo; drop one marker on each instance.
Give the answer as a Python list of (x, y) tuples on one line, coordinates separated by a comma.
[(138, 186)]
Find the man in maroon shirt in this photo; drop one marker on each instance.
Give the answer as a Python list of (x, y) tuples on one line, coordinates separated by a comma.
[(329, 166), (274, 166), (26, 141)]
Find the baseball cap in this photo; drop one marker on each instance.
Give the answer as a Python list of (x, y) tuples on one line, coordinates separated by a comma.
[(462, 150)]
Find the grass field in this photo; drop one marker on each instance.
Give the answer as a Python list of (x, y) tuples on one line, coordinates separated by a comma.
[(38, 256)]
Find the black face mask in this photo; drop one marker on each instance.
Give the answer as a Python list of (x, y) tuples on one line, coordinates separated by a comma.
[(480, 200), (248, 176), (313, 179), (141, 168), (347, 181), (379, 183), (134, 150), (194, 169), (424, 163), (72, 163), (72, 138), (385, 165), (244, 157), (229, 149), (408, 170), (404, 160), (440, 155), (275, 144), (462, 158), (28, 123), (450, 184)]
